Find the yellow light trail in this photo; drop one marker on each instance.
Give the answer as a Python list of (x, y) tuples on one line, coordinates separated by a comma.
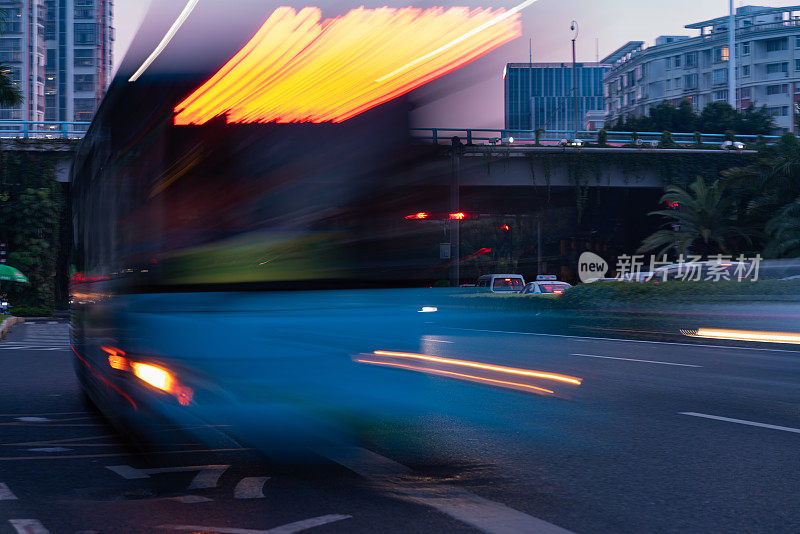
[(300, 68), (497, 20), (475, 365), (473, 378), (744, 335)]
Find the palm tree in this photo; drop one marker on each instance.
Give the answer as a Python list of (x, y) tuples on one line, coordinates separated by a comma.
[(706, 222), (10, 94)]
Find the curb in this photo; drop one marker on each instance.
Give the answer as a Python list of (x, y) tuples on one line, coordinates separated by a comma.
[(5, 328)]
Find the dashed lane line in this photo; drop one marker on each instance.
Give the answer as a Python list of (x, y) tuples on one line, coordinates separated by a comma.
[(291, 528), (742, 422), (28, 526), (6, 494), (635, 360), (485, 515), (250, 488)]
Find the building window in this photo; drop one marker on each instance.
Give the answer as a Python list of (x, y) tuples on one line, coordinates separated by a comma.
[(797, 42), (775, 68), (779, 111), (669, 84), (85, 34), (84, 57), (691, 59), (84, 82), (84, 109), (721, 54), (677, 61), (720, 76), (776, 45), (720, 96), (745, 48), (777, 89), (797, 64), (84, 9), (690, 81), (668, 62), (745, 70), (10, 50), (744, 92)]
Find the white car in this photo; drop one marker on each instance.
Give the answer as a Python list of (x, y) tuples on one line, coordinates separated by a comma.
[(502, 283), (545, 288)]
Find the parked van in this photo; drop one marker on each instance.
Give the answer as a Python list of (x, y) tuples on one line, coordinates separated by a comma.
[(502, 283)]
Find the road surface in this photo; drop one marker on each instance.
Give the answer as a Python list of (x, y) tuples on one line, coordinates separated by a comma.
[(659, 437)]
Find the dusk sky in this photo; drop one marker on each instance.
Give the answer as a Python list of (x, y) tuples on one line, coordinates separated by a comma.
[(474, 96)]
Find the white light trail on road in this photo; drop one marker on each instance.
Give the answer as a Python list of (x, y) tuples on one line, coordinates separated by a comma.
[(634, 360), (166, 40), (497, 20), (743, 335), (743, 422)]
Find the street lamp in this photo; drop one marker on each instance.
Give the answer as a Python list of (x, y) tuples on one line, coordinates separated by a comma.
[(574, 29)]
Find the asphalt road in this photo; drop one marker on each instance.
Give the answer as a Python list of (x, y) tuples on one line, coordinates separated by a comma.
[(658, 438)]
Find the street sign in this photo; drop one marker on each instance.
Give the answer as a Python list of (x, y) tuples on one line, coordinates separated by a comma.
[(444, 251)]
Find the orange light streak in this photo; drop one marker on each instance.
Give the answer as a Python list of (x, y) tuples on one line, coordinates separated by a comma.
[(300, 68), (744, 335), (472, 378), (498, 368)]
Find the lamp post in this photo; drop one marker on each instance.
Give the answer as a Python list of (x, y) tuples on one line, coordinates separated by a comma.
[(732, 58), (574, 28)]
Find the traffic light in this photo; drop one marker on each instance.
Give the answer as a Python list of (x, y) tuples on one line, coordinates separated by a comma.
[(3, 252)]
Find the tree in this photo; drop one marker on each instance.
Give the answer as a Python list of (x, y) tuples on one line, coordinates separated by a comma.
[(10, 94), (705, 224), (717, 117)]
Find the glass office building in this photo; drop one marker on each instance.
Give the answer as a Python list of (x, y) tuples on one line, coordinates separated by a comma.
[(540, 95)]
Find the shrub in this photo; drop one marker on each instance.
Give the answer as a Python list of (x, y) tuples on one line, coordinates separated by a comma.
[(31, 311), (602, 138), (730, 135), (698, 138), (666, 140)]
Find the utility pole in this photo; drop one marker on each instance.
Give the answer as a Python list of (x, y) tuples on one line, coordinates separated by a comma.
[(574, 28), (455, 230), (732, 100), (538, 245)]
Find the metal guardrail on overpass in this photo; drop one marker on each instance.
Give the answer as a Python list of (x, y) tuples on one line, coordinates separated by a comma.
[(551, 138), (42, 130)]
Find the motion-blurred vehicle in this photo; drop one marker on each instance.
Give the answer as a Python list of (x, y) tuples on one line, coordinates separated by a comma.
[(545, 288), (502, 283), (638, 277), (243, 271)]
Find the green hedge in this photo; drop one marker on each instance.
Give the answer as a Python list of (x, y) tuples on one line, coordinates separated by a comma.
[(638, 295), (32, 311)]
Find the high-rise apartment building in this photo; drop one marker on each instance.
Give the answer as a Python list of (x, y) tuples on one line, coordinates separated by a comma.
[(540, 95), (696, 69), (60, 53)]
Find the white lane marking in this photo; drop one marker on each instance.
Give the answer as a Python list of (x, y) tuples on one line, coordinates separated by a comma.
[(250, 488), (50, 449), (583, 338), (306, 524), (190, 499), (742, 422), (483, 514), (32, 419), (634, 360), (28, 526), (208, 475), (6, 494), (290, 528), (126, 471)]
